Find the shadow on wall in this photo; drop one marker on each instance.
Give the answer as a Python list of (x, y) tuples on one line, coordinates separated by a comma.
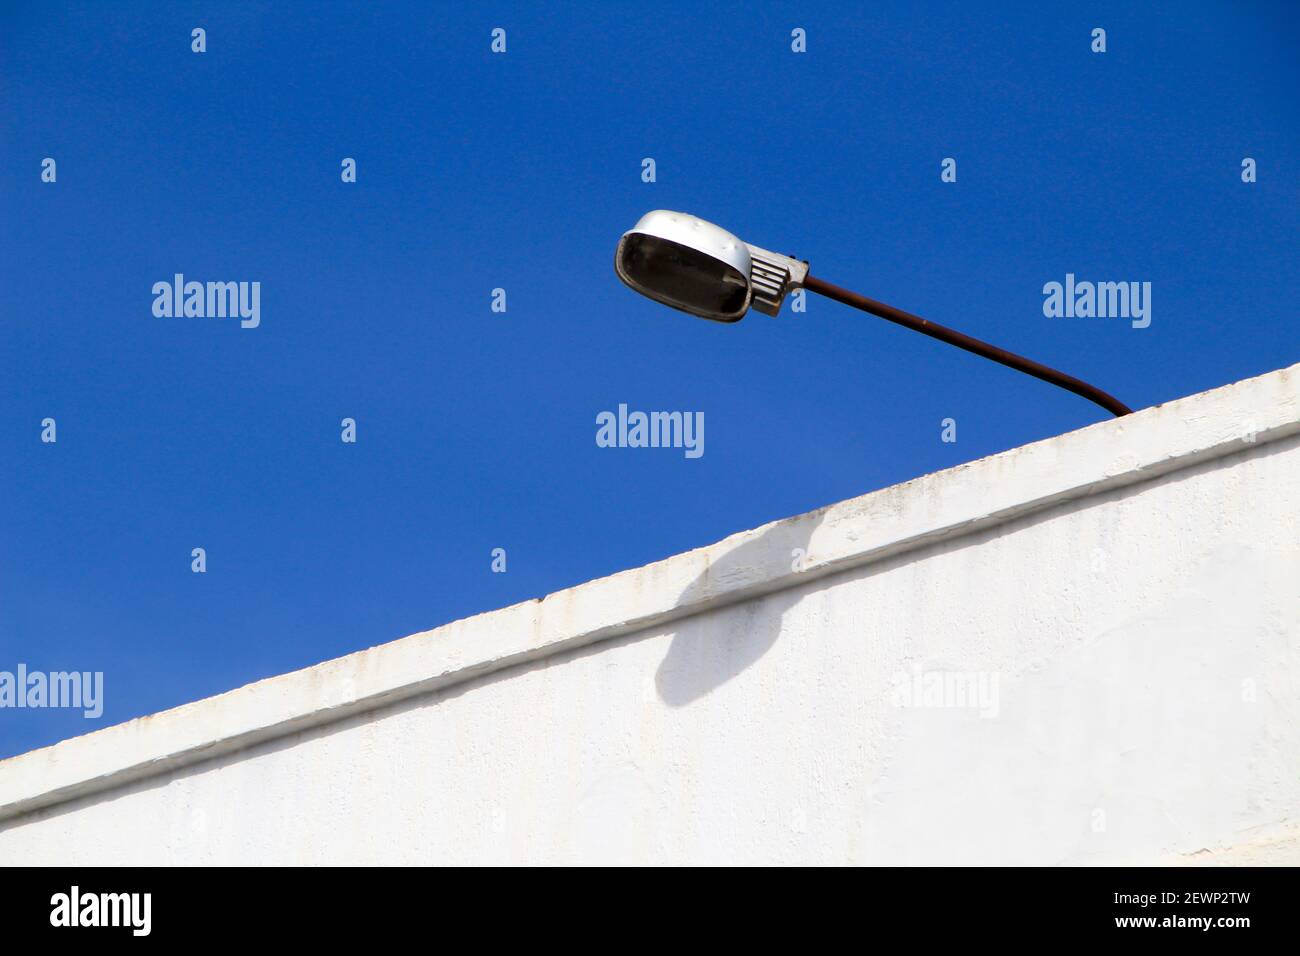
[(701, 659)]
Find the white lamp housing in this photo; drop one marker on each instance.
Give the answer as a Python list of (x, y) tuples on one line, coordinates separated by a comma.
[(700, 268)]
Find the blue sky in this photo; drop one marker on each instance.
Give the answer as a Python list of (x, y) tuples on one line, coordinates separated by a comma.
[(477, 171)]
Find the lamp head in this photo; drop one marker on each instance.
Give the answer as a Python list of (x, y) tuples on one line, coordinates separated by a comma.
[(697, 267)]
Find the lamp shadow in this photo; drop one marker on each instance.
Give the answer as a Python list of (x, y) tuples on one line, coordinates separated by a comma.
[(710, 648)]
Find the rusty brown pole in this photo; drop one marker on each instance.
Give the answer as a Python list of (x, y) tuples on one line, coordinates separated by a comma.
[(962, 341)]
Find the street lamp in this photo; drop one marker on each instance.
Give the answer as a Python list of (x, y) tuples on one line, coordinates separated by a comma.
[(700, 268)]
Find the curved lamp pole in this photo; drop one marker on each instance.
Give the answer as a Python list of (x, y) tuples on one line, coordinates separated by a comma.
[(697, 267)]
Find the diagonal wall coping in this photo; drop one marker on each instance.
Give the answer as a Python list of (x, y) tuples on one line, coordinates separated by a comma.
[(934, 507)]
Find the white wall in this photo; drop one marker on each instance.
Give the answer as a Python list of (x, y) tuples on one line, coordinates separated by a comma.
[(1134, 589)]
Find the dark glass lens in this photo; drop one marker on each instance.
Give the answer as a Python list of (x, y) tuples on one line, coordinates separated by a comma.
[(683, 277)]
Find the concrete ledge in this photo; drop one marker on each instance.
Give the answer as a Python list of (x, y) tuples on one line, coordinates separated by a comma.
[(1281, 848), (940, 506)]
